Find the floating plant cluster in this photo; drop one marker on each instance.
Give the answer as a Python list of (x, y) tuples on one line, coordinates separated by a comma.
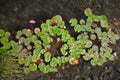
[(51, 45)]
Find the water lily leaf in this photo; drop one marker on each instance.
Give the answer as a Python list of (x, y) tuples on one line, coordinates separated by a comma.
[(82, 21), (21, 60), (88, 43), (3, 50), (4, 40), (41, 66), (100, 62), (87, 11), (104, 23), (19, 33), (93, 62), (103, 17), (7, 34), (61, 24), (73, 21), (86, 56), (111, 58), (33, 67), (28, 33), (2, 32), (7, 45), (53, 62), (28, 60), (47, 56), (26, 70), (34, 38)]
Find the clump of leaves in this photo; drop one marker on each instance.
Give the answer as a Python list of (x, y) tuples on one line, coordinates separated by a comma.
[(8, 67), (101, 35), (4, 41), (91, 42), (52, 45)]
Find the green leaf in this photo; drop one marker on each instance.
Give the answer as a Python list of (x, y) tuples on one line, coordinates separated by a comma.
[(28, 33), (95, 48), (98, 30), (110, 34), (104, 23), (55, 29), (48, 22), (7, 34), (21, 60), (93, 36), (46, 39), (82, 51), (46, 69), (26, 70), (33, 67), (65, 36), (91, 51), (86, 56), (57, 18), (103, 17), (89, 20), (70, 41), (82, 21), (100, 62), (74, 54), (33, 38), (73, 21), (53, 69), (109, 27), (42, 51), (4, 40), (37, 44), (44, 27), (27, 41), (93, 62), (107, 55), (61, 24), (28, 60), (111, 57), (36, 55), (37, 51), (23, 31), (41, 66), (88, 12), (63, 60), (59, 31), (34, 58), (63, 49), (59, 60), (88, 43), (16, 48), (108, 50), (7, 45), (3, 50), (78, 28), (47, 56), (21, 39), (53, 62), (19, 33), (2, 32)]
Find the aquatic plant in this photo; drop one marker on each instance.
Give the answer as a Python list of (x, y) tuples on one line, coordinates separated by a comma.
[(8, 55), (102, 34), (4, 41), (51, 45)]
